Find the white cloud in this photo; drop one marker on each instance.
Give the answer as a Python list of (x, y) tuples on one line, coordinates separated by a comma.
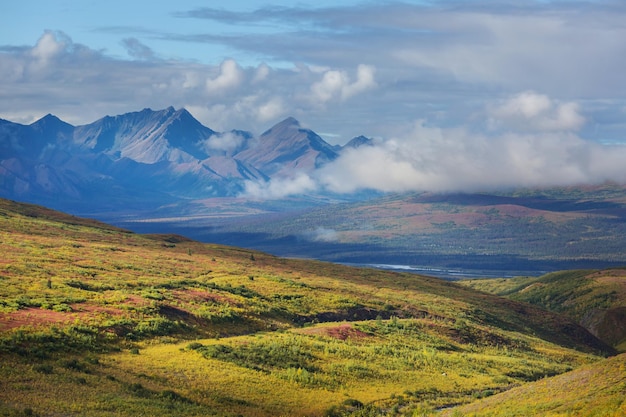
[(439, 61), (535, 145), (231, 76), (227, 142), (49, 45), (280, 188), (337, 84), (376, 167), (330, 85), (532, 111), (436, 159), (365, 81), (261, 73), (271, 110)]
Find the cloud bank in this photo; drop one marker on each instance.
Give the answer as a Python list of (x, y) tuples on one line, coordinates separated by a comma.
[(535, 145)]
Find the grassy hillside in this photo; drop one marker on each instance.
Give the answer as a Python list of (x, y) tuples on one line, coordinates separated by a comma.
[(594, 298), (97, 321), (564, 395)]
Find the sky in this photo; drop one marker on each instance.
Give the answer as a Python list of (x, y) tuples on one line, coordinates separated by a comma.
[(458, 94)]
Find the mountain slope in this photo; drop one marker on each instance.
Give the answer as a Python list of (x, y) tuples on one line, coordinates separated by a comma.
[(594, 298), (146, 324), (566, 394), (147, 136)]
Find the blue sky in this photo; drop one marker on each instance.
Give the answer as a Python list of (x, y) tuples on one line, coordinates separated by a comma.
[(513, 72), (102, 25)]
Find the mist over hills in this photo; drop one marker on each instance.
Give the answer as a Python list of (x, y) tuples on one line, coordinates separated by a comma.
[(154, 157)]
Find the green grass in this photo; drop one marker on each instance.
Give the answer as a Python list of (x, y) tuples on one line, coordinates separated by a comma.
[(97, 321)]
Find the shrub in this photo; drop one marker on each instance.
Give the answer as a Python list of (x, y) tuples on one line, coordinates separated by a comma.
[(173, 396), (157, 326), (75, 365), (62, 308), (194, 345)]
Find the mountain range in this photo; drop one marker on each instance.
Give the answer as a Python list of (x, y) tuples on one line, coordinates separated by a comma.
[(147, 157)]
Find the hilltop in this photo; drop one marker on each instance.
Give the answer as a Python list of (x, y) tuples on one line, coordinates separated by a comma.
[(163, 325)]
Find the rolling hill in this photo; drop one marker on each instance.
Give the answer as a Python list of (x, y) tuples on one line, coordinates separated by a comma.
[(566, 394), (96, 320), (594, 298)]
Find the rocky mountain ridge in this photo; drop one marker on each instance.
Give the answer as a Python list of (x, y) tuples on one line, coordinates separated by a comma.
[(147, 156)]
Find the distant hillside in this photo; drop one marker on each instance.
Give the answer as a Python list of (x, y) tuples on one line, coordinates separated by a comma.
[(566, 394), (96, 320), (594, 298), (528, 232)]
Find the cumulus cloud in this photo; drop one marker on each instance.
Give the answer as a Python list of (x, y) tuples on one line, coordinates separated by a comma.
[(227, 142), (49, 45), (261, 73), (531, 111), (337, 84), (81, 85), (347, 69), (271, 109), (230, 76)]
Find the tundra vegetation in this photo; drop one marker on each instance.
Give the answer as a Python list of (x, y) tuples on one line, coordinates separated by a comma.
[(95, 321), (594, 298)]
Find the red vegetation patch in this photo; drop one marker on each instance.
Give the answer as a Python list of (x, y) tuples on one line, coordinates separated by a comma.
[(34, 317), (341, 332), (39, 317)]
